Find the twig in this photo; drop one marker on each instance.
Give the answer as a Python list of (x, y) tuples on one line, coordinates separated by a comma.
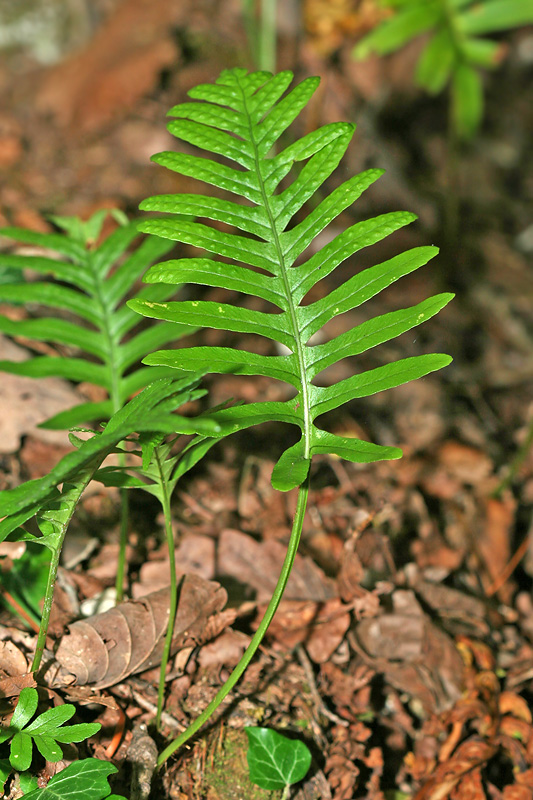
[(310, 677), (20, 611), (127, 694)]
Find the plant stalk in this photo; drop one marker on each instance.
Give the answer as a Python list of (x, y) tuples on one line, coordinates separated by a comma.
[(123, 539), (258, 637), (516, 463), (169, 533), (59, 516), (47, 605), (267, 36)]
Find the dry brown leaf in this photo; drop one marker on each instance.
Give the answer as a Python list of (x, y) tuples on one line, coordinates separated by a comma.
[(12, 660), (468, 757), (494, 542), (328, 631), (119, 65), (415, 656), (26, 402), (511, 703), (517, 792), (12, 686), (195, 554), (108, 647), (259, 565), (470, 787)]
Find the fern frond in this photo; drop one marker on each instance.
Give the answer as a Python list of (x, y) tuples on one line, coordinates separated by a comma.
[(150, 411), (91, 284), (456, 47), (241, 117)]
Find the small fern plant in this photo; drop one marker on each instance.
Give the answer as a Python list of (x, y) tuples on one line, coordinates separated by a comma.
[(87, 296), (241, 118), (457, 48)]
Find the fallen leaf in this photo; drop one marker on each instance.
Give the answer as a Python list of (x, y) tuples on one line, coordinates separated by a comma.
[(26, 402), (108, 647), (414, 655), (259, 565)]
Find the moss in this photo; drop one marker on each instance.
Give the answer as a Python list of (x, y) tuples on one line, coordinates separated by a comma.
[(226, 770)]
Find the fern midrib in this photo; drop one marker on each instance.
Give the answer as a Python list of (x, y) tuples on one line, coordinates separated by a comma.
[(114, 373), (287, 287)]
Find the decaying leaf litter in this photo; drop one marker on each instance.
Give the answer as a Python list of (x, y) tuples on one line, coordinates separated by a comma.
[(402, 652)]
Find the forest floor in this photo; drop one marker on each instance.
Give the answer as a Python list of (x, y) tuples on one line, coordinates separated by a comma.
[(403, 650)]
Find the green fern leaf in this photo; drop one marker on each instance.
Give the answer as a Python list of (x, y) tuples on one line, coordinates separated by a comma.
[(149, 411), (241, 116), (100, 328)]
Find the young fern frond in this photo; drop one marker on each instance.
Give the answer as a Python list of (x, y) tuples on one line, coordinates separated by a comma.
[(91, 285), (242, 117)]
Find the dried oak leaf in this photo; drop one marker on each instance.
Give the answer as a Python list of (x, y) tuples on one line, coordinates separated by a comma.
[(259, 565), (106, 648), (414, 655), (468, 757)]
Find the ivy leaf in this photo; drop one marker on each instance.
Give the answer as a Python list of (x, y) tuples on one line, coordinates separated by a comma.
[(83, 780), (274, 760)]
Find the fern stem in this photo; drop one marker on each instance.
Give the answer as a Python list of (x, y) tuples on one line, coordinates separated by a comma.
[(47, 606), (123, 538), (115, 378), (252, 648), (60, 516), (267, 36), (165, 503)]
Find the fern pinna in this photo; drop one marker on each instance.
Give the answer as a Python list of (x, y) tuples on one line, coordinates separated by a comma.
[(88, 293), (241, 117)]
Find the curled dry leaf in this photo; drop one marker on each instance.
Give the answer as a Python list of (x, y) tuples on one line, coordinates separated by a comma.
[(108, 647)]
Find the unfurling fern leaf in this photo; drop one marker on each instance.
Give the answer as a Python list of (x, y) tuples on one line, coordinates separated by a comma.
[(91, 286), (242, 117)]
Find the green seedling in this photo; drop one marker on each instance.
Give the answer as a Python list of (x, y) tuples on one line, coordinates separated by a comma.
[(241, 117), (47, 731), (90, 317), (457, 49), (275, 761), (87, 779)]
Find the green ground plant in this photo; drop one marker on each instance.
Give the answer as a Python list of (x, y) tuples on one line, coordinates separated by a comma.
[(90, 317), (457, 48), (240, 119), (47, 732)]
